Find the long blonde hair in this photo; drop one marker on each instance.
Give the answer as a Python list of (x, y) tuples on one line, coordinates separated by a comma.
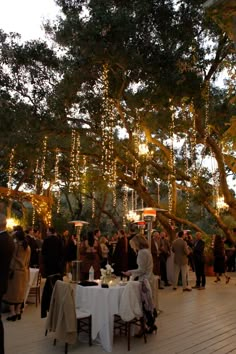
[(139, 242)]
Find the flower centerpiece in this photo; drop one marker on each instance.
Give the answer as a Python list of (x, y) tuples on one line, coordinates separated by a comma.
[(106, 274)]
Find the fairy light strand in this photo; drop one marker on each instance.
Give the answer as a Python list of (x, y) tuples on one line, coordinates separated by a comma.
[(171, 161), (43, 164), (10, 171), (107, 126), (74, 160), (125, 203), (93, 204)]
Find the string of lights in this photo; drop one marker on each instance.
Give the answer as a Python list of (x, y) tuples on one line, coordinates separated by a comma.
[(107, 126), (125, 203), (74, 160), (83, 178), (93, 204), (43, 165), (171, 162), (10, 171), (33, 216)]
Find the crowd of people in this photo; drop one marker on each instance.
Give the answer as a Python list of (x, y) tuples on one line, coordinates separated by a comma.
[(128, 253)]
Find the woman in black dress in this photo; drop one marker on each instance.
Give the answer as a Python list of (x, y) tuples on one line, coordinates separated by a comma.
[(219, 259)]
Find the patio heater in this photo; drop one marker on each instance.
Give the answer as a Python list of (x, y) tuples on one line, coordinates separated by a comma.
[(149, 215), (76, 264)]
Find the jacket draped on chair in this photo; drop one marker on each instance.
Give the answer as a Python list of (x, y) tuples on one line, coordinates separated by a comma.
[(62, 314)]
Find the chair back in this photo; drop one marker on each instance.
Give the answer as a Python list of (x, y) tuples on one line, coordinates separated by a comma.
[(130, 303), (37, 281), (47, 292), (62, 314)]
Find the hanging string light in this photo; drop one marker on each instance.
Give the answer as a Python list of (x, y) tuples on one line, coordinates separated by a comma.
[(58, 201), (171, 162), (107, 126), (207, 105), (83, 179), (10, 171), (93, 204), (43, 165), (33, 217), (186, 113), (158, 190), (193, 144), (57, 180), (36, 176), (125, 203), (74, 160), (187, 196), (113, 183), (56, 168)]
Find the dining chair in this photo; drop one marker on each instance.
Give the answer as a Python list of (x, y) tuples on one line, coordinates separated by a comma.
[(130, 312), (64, 319), (35, 289)]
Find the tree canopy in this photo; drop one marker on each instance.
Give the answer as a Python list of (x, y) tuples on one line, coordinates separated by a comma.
[(118, 74)]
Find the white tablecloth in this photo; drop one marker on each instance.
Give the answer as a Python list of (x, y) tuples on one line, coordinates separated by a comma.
[(103, 304), (32, 281)]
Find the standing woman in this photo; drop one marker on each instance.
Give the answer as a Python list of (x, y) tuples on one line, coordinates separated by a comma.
[(144, 272), (19, 276), (91, 252), (144, 260), (219, 259)]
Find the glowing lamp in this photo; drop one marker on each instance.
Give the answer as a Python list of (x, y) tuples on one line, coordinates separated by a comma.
[(149, 212)]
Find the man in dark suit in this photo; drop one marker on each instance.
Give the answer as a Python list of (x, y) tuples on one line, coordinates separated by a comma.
[(6, 253), (52, 254), (199, 262), (132, 256)]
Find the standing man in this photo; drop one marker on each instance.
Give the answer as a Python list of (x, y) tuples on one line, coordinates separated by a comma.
[(164, 254), (199, 262), (6, 252), (132, 256), (180, 249), (34, 255), (52, 254)]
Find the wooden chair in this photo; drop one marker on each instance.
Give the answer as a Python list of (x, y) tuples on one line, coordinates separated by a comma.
[(124, 327), (131, 312), (35, 289), (62, 305)]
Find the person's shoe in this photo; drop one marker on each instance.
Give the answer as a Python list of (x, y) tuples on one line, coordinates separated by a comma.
[(187, 289), (195, 287), (12, 318), (140, 334), (201, 288), (152, 329), (174, 288)]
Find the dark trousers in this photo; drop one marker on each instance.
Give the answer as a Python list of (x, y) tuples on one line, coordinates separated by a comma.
[(163, 268), (1, 330), (200, 273)]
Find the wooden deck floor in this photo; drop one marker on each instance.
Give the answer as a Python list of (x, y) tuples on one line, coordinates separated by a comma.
[(200, 322)]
